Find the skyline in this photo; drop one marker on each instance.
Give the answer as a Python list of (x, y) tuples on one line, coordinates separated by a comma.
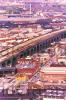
[(41, 1), (50, 1)]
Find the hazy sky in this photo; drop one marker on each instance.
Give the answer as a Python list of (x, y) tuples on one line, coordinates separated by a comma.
[(51, 1), (60, 1)]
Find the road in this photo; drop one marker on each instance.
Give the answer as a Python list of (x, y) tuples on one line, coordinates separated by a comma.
[(23, 19)]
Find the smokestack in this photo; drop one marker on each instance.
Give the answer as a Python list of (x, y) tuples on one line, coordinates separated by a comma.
[(30, 9)]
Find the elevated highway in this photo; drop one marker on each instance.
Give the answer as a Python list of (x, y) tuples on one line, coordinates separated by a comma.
[(22, 19), (31, 46)]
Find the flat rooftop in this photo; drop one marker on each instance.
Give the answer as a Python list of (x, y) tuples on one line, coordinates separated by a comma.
[(54, 70)]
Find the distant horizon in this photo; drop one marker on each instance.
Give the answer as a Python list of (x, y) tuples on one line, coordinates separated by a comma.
[(42, 1)]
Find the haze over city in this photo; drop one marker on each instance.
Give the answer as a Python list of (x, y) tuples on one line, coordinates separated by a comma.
[(32, 50), (50, 1)]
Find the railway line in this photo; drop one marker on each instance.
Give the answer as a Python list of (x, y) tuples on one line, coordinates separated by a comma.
[(29, 43)]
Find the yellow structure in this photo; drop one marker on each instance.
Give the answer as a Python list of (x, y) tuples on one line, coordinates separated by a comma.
[(22, 77)]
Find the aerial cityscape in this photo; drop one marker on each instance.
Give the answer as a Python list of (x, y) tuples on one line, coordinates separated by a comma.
[(32, 49)]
